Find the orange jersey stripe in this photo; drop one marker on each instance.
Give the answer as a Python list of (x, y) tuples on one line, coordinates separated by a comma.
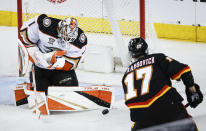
[(151, 100), (179, 74)]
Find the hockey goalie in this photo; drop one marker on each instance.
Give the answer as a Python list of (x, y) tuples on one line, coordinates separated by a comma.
[(52, 49)]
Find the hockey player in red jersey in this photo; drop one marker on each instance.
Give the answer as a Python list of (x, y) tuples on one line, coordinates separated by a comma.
[(55, 47), (148, 89)]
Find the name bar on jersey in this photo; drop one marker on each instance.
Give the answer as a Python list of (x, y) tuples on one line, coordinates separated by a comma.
[(141, 63)]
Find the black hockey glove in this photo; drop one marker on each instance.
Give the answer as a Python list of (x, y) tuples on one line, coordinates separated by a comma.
[(194, 98)]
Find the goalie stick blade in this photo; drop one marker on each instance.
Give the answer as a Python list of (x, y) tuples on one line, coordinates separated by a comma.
[(37, 113)]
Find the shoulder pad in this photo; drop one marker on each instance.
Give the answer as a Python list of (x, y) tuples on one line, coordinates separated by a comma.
[(44, 20), (48, 25), (81, 39)]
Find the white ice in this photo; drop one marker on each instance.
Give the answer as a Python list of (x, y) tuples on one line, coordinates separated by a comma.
[(21, 119)]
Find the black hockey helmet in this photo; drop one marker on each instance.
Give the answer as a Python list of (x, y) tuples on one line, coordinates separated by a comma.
[(137, 47)]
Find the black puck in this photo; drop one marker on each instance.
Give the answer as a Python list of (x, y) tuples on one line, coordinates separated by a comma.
[(105, 111)]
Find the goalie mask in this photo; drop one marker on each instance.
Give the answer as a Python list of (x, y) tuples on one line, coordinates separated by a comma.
[(68, 29), (137, 47)]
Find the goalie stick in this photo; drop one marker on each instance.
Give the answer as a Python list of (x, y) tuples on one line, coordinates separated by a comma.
[(24, 70), (23, 58), (38, 112), (27, 57)]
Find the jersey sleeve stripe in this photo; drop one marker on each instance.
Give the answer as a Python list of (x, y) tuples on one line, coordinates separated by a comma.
[(147, 103), (180, 73)]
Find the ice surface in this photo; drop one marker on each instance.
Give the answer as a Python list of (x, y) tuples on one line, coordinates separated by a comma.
[(21, 119)]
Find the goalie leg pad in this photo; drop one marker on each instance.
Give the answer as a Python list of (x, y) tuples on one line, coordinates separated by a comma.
[(36, 101), (79, 98), (20, 96)]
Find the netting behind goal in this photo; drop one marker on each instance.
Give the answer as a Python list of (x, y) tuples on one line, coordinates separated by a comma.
[(107, 23)]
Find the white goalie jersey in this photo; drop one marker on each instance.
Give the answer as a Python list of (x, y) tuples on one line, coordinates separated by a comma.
[(40, 36)]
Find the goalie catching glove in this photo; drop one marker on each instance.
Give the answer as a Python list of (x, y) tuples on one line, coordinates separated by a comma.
[(57, 61), (53, 59), (194, 95)]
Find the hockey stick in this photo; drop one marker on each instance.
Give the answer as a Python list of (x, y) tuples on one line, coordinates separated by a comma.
[(38, 112), (27, 59), (23, 58)]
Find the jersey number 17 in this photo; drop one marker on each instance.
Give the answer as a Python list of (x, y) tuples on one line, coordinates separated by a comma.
[(144, 74)]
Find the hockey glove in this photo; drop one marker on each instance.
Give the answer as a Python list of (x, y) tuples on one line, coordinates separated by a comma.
[(40, 59), (51, 59), (59, 64), (56, 60), (194, 97), (56, 55)]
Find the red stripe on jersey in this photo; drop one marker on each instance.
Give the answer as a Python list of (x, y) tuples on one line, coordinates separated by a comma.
[(179, 74), (151, 100)]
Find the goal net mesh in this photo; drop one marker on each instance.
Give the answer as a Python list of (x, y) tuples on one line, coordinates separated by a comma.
[(93, 18), (91, 14)]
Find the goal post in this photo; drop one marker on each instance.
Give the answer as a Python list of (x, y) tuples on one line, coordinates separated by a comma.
[(105, 25), (19, 17), (142, 18)]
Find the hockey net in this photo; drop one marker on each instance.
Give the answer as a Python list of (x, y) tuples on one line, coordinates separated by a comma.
[(107, 24)]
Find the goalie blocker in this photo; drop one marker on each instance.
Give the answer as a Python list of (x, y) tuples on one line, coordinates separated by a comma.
[(66, 98)]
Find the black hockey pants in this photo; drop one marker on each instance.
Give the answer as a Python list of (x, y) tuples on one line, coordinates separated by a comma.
[(45, 78), (182, 122)]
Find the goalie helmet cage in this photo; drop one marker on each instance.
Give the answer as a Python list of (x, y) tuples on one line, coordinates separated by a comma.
[(104, 18)]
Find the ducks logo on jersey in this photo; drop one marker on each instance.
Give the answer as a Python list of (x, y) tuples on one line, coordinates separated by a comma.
[(82, 38), (46, 21)]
